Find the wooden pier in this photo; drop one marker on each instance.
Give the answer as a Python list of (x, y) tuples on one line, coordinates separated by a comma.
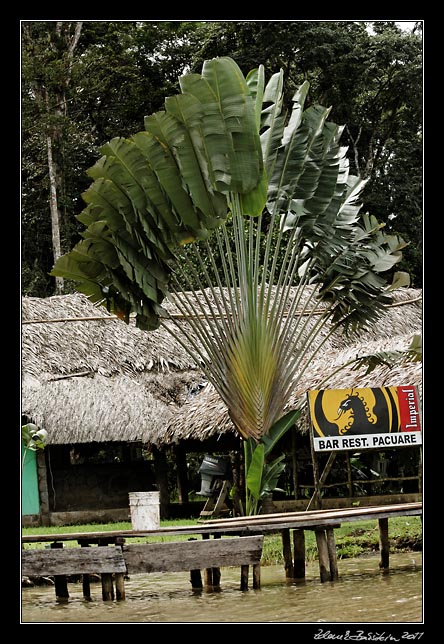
[(243, 550), (114, 562), (323, 523)]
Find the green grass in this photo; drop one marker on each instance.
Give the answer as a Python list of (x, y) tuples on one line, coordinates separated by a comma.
[(352, 539)]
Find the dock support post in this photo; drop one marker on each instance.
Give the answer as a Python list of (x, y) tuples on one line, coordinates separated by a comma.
[(286, 551), (216, 576), (196, 579), (120, 585), (60, 582), (107, 586), (215, 572), (208, 571), (324, 563), (384, 544), (331, 547), (119, 577), (86, 585), (244, 577), (257, 575), (299, 554), (107, 579)]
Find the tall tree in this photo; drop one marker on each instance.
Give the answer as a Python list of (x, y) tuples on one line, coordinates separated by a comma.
[(49, 70), (122, 71), (118, 72)]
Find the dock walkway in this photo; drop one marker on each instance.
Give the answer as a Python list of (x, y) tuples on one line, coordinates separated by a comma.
[(322, 522)]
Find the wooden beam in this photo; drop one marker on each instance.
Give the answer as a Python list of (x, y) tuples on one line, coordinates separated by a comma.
[(176, 556), (72, 561)]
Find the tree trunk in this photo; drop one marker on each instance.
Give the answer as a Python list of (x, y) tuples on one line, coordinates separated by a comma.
[(54, 210), (54, 141)]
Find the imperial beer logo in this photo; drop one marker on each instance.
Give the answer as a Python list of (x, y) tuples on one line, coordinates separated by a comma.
[(364, 418)]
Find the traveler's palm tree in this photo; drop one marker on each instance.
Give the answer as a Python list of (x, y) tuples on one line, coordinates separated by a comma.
[(223, 173)]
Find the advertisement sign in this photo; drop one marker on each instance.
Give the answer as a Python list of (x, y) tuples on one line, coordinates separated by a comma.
[(368, 418)]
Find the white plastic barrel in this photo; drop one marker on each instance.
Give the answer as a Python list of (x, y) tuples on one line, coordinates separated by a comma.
[(145, 510)]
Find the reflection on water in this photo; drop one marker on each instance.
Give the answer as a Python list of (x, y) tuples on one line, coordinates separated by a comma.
[(363, 594)]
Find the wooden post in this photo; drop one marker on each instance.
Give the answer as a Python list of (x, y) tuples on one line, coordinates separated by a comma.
[(286, 551), (119, 577), (331, 546), (420, 472), (86, 586), (120, 585), (384, 544), (349, 475), (324, 562), (215, 572), (216, 576), (208, 574), (60, 583), (257, 575), (299, 554), (107, 586), (161, 474), (195, 575), (196, 579), (236, 471), (294, 462), (182, 473), (107, 579), (42, 482), (315, 500), (244, 577)]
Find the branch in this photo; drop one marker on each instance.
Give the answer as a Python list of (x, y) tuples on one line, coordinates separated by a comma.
[(182, 316)]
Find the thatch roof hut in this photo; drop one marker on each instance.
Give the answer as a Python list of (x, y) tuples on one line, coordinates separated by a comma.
[(89, 377), (205, 415)]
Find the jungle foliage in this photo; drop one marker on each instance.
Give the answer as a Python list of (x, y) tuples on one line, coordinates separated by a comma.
[(121, 72)]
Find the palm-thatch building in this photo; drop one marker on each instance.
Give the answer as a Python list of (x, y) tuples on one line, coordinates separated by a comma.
[(205, 416), (113, 398), (104, 391)]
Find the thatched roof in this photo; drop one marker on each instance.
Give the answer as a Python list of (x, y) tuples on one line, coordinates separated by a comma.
[(103, 346), (205, 415), (103, 380), (87, 379)]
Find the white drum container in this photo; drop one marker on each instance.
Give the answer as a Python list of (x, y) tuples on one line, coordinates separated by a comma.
[(145, 510)]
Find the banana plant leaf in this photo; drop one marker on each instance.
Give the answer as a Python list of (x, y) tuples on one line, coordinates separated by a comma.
[(253, 478)]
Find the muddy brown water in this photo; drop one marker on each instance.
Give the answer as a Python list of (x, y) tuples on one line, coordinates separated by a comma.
[(362, 595)]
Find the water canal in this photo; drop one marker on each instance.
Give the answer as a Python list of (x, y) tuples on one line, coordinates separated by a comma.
[(363, 594)]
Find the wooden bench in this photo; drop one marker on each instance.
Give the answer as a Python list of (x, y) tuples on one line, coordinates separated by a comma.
[(116, 561)]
